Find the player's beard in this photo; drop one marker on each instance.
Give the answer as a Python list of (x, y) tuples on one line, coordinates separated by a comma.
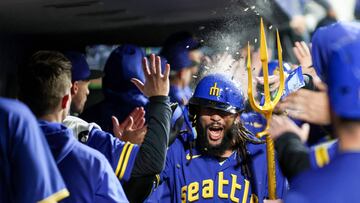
[(204, 146)]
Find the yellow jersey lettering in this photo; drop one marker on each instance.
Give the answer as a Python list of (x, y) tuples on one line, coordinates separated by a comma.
[(234, 186), (222, 183), (183, 194), (246, 191), (208, 189), (193, 193)]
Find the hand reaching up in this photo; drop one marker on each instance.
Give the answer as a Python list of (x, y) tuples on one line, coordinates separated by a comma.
[(156, 83), (132, 129), (302, 53)]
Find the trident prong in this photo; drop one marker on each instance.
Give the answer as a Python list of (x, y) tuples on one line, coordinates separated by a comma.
[(264, 62), (269, 105)]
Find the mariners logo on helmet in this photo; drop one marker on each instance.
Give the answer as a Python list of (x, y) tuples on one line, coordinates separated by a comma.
[(217, 91), (214, 90)]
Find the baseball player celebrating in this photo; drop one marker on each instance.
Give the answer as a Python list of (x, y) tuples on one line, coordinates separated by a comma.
[(216, 161)]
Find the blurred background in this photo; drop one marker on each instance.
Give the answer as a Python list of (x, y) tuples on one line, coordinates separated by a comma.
[(96, 27)]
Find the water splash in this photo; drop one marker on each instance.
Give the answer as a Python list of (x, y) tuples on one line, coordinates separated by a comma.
[(231, 35)]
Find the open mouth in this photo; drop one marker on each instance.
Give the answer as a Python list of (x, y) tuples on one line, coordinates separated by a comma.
[(215, 132)]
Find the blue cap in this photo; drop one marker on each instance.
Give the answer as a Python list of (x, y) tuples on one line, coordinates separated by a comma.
[(344, 80), (273, 65), (124, 63), (79, 67), (328, 38), (219, 92), (178, 57)]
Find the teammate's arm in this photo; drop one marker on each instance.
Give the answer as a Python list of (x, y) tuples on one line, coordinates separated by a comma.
[(151, 157)]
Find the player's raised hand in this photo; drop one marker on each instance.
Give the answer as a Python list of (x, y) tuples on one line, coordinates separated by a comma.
[(133, 128), (302, 53), (156, 83), (134, 121)]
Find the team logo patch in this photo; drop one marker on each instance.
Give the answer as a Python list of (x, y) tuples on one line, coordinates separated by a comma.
[(83, 136), (214, 90)]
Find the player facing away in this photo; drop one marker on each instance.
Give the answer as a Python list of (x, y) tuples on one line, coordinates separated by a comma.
[(28, 172), (87, 173), (217, 160), (339, 180)]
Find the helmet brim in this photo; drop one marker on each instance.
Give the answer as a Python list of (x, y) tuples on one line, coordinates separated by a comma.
[(205, 103)]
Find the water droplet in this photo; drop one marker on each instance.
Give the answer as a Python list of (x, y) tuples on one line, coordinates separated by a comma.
[(246, 9), (237, 53), (201, 27), (255, 40), (187, 46), (270, 27), (227, 48), (252, 7), (201, 41), (195, 76)]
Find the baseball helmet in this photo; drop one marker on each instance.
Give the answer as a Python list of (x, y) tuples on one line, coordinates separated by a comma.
[(124, 63), (219, 92), (344, 80), (327, 39)]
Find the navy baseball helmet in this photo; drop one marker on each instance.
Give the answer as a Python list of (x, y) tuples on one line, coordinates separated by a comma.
[(344, 80), (178, 57), (219, 92), (79, 67), (329, 38), (124, 63)]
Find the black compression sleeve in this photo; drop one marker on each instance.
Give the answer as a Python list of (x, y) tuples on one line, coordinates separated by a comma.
[(151, 156), (293, 155)]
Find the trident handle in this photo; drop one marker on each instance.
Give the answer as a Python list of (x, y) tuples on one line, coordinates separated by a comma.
[(269, 105)]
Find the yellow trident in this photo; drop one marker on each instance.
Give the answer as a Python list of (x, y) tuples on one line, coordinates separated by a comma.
[(269, 105)]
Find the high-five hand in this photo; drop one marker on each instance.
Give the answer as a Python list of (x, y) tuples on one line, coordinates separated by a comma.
[(156, 83)]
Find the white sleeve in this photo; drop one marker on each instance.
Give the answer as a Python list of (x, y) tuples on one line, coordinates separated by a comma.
[(78, 125)]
